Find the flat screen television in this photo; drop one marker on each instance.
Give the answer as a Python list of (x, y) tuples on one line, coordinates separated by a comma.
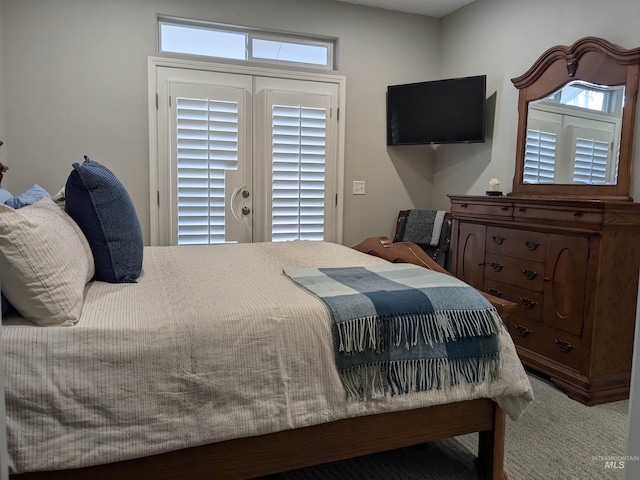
[(440, 111)]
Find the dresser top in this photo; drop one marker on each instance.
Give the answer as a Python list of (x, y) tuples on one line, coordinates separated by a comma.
[(548, 202), (545, 212)]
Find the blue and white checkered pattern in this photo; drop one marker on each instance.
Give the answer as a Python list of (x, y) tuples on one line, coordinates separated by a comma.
[(402, 327)]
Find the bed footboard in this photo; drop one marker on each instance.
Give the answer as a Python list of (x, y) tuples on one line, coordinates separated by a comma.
[(288, 450)]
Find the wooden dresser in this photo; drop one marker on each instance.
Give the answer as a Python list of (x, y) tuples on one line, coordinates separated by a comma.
[(572, 267)]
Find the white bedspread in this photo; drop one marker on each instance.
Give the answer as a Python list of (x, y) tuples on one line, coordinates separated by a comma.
[(212, 343)]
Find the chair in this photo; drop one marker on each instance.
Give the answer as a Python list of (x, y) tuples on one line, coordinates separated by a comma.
[(429, 229)]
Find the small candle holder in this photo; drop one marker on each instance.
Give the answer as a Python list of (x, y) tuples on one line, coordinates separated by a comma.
[(494, 188)]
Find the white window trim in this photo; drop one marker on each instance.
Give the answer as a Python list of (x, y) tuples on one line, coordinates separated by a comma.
[(154, 185)]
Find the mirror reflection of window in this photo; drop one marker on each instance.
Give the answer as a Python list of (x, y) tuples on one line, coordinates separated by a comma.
[(540, 152), (591, 154), (573, 135), (589, 96)]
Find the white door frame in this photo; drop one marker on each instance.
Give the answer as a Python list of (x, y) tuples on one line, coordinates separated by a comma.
[(154, 62), (321, 95)]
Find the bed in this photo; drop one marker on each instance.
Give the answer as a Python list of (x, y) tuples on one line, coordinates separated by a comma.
[(198, 362), (131, 392)]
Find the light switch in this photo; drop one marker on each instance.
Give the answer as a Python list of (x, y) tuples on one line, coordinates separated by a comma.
[(358, 187)]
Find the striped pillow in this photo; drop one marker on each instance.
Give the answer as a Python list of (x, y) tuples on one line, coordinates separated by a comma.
[(45, 263)]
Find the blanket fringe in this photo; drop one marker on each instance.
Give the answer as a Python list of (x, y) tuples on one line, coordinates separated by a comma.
[(399, 377), (376, 333)]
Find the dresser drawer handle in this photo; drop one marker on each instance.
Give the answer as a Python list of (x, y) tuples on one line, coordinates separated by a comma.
[(577, 214), (529, 273), (504, 209), (563, 345), (522, 330), (531, 245), (463, 205), (498, 239), (495, 292), (522, 209), (496, 266), (528, 303)]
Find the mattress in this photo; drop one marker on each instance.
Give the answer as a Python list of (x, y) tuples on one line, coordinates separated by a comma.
[(212, 343)]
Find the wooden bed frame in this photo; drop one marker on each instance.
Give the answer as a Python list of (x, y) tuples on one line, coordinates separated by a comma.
[(291, 449)]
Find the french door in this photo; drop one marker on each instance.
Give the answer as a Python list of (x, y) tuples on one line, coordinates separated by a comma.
[(244, 158)]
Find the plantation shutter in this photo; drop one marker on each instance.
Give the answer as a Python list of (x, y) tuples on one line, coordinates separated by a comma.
[(590, 161), (208, 140), (296, 160), (298, 173), (207, 146), (591, 153), (540, 156)]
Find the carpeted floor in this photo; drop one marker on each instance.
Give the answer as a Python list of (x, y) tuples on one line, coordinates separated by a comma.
[(556, 438)]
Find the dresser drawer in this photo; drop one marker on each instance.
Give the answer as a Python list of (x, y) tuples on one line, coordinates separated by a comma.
[(492, 209), (517, 243), (529, 303), (570, 216), (515, 271), (554, 344)]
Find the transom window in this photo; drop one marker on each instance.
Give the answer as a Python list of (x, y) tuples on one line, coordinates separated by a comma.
[(236, 42)]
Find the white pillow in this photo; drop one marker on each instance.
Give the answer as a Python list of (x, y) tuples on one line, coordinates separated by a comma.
[(45, 263)]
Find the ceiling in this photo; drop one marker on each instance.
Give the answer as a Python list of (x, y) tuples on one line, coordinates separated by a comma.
[(431, 8)]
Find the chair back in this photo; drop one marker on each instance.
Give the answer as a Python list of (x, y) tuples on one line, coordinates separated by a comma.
[(429, 229)]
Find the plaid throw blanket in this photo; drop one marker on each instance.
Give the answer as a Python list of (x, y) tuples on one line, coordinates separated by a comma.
[(401, 328)]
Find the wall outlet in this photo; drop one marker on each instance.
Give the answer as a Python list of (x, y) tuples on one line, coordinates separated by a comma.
[(358, 187)]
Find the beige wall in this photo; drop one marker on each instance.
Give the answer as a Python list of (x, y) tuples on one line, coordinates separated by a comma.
[(503, 38), (76, 83)]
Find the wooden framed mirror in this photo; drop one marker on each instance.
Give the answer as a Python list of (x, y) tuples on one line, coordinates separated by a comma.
[(577, 108)]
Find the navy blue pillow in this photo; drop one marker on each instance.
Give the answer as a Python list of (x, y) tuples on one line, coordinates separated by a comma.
[(103, 210)]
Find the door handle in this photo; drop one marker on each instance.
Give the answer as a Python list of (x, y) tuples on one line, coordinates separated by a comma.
[(234, 200)]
